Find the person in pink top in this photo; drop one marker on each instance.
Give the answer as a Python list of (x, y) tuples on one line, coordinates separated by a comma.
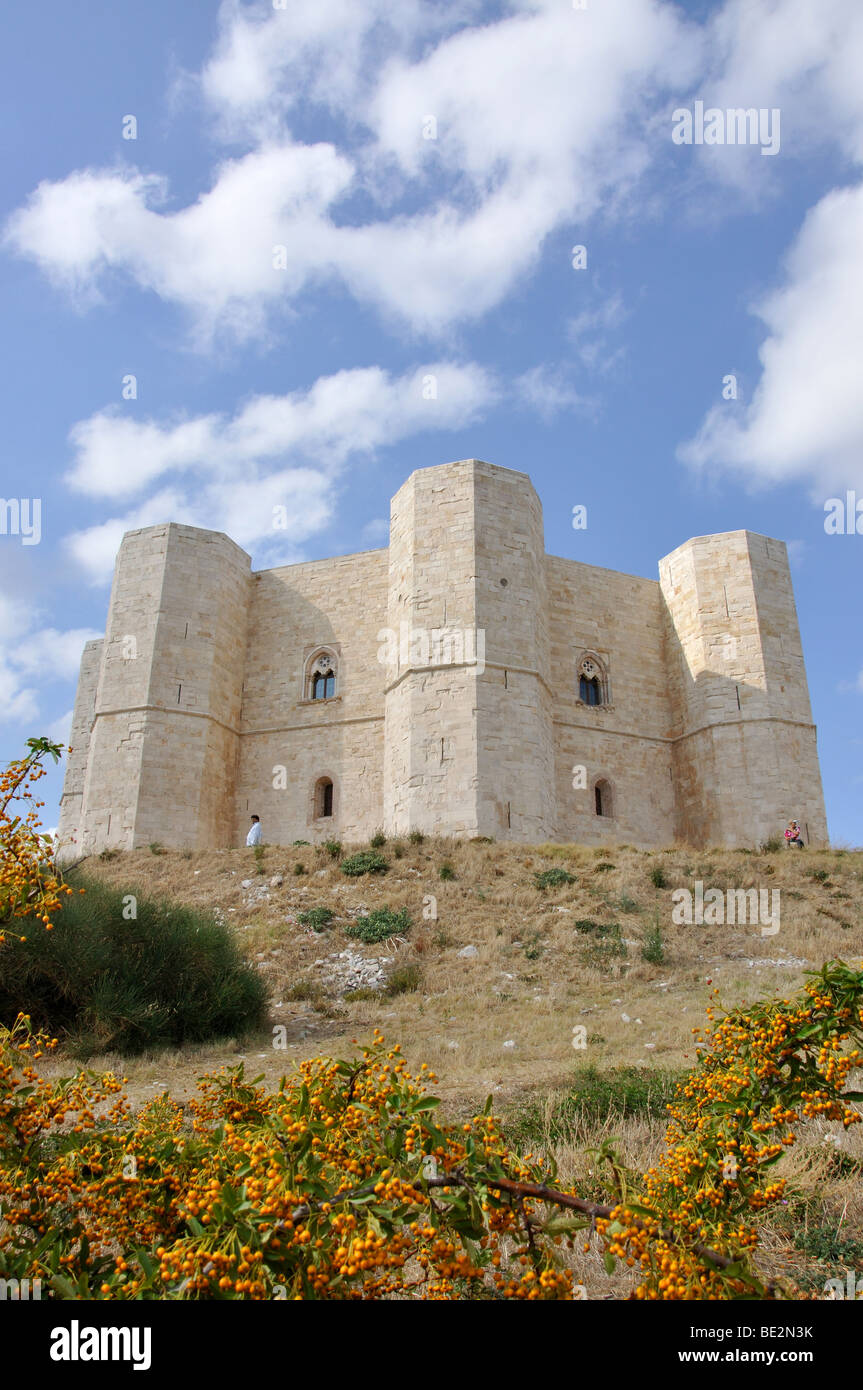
[(793, 836)]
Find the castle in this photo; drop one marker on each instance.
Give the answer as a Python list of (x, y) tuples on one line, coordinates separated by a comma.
[(458, 682)]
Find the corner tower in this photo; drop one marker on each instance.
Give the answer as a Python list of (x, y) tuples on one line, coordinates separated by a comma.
[(467, 741), (164, 711), (744, 748)]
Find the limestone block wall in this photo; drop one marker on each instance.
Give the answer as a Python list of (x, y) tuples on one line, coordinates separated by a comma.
[(740, 698), (296, 611), (430, 730), (514, 733), (457, 710), (163, 748), (72, 799), (626, 744)]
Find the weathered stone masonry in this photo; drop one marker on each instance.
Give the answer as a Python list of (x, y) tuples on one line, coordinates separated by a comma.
[(479, 687)]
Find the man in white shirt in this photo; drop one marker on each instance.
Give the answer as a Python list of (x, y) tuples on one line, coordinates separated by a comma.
[(254, 835)]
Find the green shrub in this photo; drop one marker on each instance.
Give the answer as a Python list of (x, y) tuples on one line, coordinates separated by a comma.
[(108, 854), (446, 871), (653, 947), (383, 922), (416, 837), (308, 991), (398, 850), (299, 869), (258, 852), (366, 862), (603, 866), (378, 840), (333, 848), (819, 875), (628, 904), (595, 1095), (295, 844), (316, 917), (405, 979), (106, 983), (822, 1243), (657, 876), (552, 878), (603, 954), (156, 847), (588, 927), (771, 846)]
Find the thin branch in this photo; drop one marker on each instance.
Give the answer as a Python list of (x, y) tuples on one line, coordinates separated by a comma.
[(519, 1190)]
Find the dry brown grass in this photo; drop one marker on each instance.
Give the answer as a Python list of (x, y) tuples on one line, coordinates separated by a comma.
[(532, 993), (534, 979)]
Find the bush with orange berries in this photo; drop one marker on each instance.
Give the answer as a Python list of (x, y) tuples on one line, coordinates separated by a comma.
[(29, 885), (763, 1071), (341, 1185)]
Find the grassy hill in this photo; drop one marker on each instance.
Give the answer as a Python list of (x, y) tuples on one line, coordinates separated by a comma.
[(599, 954), (547, 960)]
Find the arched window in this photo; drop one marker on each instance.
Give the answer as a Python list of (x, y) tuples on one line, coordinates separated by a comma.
[(593, 687), (321, 673), (603, 798), (323, 798)]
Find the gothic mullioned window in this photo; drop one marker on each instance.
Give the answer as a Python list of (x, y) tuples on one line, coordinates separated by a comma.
[(593, 688), (321, 673)]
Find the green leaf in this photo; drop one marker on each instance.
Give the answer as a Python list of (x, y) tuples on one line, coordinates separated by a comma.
[(609, 1261), (560, 1225), (65, 1288)]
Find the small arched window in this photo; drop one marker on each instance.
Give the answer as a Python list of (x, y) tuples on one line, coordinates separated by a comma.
[(602, 798), (321, 674), (323, 798)]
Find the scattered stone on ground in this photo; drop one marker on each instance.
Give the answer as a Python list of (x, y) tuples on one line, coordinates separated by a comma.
[(344, 971)]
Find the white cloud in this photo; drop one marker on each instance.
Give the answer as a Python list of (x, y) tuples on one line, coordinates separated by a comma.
[(546, 391), (591, 330), (541, 119), (213, 258), (265, 62), (32, 656), (804, 59), (51, 654), (804, 421), (58, 732), (352, 412), (543, 116), (277, 452)]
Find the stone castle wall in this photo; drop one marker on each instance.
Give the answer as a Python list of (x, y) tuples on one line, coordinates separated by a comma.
[(457, 706)]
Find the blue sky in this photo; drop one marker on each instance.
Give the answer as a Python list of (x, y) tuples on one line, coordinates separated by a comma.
[(416, 248)]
